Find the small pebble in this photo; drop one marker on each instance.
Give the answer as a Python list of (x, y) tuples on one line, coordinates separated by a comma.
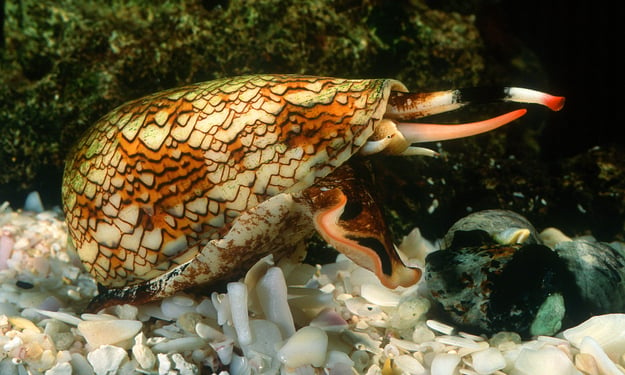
[(126, 312), (207, 332), (188, 321), (24, 284), (267, 339), (422, 334), (33, 202), (101, 316), (361, 307), (361, 360), (405, 344), (329, 320), (379, 295), (80, 365), (307, 346), (458, 341), (64, 317), (546, 361), (51, 303), (336, 358), (237, 294), (177, 305), (107, 332), (60, 369), (445, 364), (183, 367), (239, 366), (409, 365), (206, 309), (6, 248), (106, 359), (164, 364), (21, 323), (505, 340), (179, 345), (224, 350), (410, 311), (272, 294), (8, 309), (488, 361), (222, 305), (437, 326), (586, 363), (142, 353)]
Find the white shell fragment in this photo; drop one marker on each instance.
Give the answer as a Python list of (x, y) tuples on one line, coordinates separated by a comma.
[(440, 327), (61, 368), (329, 320), (348, 324), (607, 330), (108, 332), (106, 359), (359, 306), (545, 361), (177, 305), (207, 332), (272, 293), (178, 345), (63, 317), (338, 359), (409, 365), (488, 361), (33, 202), (224, 350), (237, 293), (605, 365), (142, 353), (262, 352), (458, 341), (379, 295), (175, 364), (445, 364), (307, 346)]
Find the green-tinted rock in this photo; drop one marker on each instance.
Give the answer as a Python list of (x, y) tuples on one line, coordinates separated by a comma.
[(549, 317)]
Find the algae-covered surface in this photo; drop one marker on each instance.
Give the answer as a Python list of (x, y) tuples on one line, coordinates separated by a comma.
[(66, 63)]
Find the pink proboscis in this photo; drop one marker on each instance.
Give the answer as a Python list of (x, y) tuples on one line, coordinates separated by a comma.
[(423, 132)]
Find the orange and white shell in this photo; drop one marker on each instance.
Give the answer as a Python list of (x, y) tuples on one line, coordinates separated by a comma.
[(162, 173)]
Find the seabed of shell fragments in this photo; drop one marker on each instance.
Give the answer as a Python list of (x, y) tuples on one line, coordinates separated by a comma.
[(288, 318)]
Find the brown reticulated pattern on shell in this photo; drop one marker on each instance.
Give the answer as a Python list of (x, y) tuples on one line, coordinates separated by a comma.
[(166, 173)]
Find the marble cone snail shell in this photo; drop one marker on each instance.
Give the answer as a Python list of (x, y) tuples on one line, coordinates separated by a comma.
[(193, 184)]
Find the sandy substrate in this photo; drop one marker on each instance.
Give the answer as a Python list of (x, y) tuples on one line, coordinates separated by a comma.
[(285, 318)]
